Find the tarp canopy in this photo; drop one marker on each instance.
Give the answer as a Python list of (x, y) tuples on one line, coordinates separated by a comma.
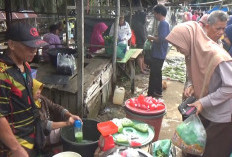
[(18, 15), (217, 7)]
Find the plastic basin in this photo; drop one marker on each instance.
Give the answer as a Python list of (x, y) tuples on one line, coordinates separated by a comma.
[(67, 154), (90, 138)]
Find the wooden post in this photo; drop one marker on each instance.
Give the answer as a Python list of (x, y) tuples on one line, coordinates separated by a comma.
[(8, 12), (80, 50), (116, 23), (66, 21)]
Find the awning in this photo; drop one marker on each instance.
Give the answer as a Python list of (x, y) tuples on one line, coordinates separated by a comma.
[(17, 15)]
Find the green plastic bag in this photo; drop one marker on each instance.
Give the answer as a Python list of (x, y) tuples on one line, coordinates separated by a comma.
[(190, 136), (147, 52), (147, 45), (109, 47), (161, 148)]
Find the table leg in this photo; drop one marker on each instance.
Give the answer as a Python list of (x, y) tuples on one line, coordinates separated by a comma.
[(132, 77)]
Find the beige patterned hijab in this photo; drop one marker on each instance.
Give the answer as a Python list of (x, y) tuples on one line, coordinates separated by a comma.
[(203, 54)]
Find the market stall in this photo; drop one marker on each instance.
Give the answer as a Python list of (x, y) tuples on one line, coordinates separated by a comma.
[(62, 89)]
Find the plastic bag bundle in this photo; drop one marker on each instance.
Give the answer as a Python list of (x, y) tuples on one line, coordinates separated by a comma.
[(190, 136), (162, 148), (66, 64)]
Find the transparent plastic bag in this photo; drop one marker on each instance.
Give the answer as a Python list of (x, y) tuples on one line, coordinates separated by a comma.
[(66, 64), (190, 136), (162, 148)]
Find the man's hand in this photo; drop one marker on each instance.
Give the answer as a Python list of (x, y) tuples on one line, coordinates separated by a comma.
[(150, 38), (189, 91), (198, 106), (19, 152)]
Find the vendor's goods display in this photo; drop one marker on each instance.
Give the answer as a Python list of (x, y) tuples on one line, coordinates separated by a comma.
[(190, 136), (146, 103), (132, 133)]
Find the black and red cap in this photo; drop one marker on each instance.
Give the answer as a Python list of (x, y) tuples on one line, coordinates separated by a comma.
[(26, 34)]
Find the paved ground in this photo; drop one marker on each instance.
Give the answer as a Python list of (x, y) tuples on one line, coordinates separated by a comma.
[(172, 98)]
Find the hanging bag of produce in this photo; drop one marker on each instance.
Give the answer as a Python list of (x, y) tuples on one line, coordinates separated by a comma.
[(147, 52), (190, 136)]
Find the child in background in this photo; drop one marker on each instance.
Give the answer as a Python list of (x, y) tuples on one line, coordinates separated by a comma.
[(53, 116)]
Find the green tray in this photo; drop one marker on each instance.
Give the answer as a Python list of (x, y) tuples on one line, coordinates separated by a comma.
[(143, 138)]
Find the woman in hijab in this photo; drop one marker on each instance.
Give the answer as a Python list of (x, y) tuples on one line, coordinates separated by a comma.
[(97, 40), (227, 41), (209, 68)]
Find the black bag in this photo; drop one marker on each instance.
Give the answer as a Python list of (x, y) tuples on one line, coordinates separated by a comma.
[(40, 138), (186, 110), (147, 57)]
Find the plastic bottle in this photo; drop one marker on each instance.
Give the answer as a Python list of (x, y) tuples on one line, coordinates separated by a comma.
[(119, 94), (78, 131)]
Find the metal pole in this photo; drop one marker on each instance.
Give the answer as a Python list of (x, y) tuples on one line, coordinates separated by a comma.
[(116, 23), (80, 50)]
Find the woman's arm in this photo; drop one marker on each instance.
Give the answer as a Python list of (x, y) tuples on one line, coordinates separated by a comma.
[(57, 125)]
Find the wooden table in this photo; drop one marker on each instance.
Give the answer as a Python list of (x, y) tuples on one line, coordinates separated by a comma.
[(130, 57)]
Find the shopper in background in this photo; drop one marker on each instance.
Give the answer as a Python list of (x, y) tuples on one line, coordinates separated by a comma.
[(124, 31), (159, 52), (97, 41)]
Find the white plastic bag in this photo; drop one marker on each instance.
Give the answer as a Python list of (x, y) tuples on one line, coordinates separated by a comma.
[(66, 64)]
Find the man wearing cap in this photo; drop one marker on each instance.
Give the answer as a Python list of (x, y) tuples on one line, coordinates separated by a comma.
[(16, 111)]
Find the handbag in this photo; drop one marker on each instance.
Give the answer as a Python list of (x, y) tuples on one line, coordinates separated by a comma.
[(186, 110), (147, 52)]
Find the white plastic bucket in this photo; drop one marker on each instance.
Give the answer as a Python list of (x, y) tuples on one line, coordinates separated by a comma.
[(67, 154)]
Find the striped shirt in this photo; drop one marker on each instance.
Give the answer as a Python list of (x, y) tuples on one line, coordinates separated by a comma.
[(15, 103)]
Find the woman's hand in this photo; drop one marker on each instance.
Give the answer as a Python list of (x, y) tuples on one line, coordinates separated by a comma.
[(189, 91), (72, 118), (198, 106)]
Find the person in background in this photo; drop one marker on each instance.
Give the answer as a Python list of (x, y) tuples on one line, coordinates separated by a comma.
[(227, 41), (97, 40), (216, 24), (53, 37), (124, 31), (159, 52), (53, 116), (195, 16), (60, 25), (203, 21), (230, 18), (209, 67), (187, 16), (139, 27), (16, 112)]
